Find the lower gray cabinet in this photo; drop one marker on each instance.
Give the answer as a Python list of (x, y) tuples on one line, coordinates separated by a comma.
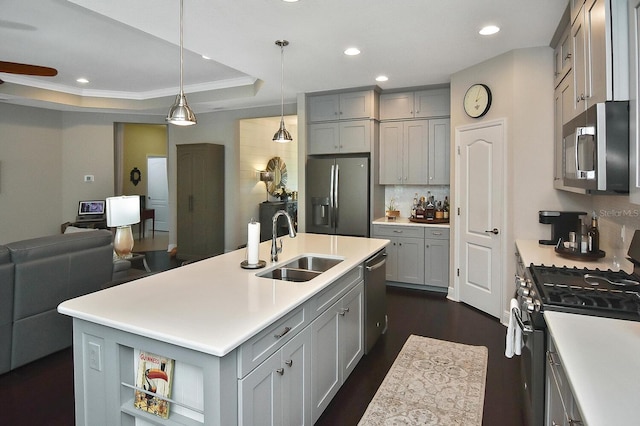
[(417, 254), (278, 391), (436, 257), (338, 345)]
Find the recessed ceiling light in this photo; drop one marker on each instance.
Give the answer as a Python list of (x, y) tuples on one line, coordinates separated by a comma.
[(352, 51), (82, 80), (489, 29), (206, 57), (382, 78), (290, 1)]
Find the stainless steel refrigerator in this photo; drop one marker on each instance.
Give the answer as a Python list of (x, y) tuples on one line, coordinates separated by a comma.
[(337, 196)]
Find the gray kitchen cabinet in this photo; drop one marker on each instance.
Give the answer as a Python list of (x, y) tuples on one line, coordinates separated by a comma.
[(436, 257), (419, 104), (600, 53), (404, 152), (417, 254), (342, 106), (562, 56), (278, 391), (338, 345), (439, 151), (405, 254), (340, 137), (414, 152), (200, 204), (561, 408)]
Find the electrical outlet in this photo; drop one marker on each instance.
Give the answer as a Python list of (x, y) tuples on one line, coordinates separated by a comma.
[(89, 178), (95, 356)]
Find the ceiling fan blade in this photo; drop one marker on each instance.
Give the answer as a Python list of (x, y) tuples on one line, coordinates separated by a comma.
[(15, 68)]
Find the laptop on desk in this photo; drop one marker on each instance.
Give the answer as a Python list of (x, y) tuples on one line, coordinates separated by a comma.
[(91, 211)]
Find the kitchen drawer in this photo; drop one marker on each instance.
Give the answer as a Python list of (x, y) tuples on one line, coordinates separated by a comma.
[(262, 345), (398, 231), (327, 297), (436, 233)]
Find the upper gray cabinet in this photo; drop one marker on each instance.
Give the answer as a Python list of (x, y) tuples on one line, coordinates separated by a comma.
[(342, 106), (599, 43), (418, 104)]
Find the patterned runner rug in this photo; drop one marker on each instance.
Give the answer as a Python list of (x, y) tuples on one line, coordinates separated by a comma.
[(431, 382)]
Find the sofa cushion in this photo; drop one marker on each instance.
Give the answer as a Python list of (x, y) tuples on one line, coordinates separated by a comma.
[(50, 270), (38, 248)]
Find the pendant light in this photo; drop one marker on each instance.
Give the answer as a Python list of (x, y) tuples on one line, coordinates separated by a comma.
[(282, 135), (180, 113)]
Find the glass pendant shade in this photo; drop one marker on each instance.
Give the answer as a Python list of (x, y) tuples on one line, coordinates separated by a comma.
[(180, 114)]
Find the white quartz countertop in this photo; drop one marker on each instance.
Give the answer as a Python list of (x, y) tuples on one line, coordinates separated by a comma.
[(214, 305), (540, 254), (406, 222), (601, 358)]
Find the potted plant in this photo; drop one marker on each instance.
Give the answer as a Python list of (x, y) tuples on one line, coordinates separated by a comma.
[(392, 211)]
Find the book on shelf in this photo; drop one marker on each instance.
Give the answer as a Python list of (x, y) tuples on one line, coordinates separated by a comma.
[(155, 376)]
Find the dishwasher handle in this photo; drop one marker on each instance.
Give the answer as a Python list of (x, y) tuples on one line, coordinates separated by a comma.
[(377, 265), (380, 259)]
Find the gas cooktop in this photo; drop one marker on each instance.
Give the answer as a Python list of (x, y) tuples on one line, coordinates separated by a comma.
[(607, 293)]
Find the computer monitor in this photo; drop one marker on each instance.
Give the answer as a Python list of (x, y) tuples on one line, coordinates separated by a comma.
[(93, 208)]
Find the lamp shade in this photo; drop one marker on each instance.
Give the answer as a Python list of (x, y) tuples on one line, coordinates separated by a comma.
[(123, 211), (266, 176)]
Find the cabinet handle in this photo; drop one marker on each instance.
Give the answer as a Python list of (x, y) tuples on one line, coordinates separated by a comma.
[(289, 362), (551, 358), (344, 311), (436, 233), (427, 246), (397, 231), (285, 331), (280, 371), (568, 56)]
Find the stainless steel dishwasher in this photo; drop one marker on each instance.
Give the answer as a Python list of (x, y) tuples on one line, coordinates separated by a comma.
[(375, 296)]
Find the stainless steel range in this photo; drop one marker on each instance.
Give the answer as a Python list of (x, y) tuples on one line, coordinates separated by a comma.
[(540, 288), (586, 291)]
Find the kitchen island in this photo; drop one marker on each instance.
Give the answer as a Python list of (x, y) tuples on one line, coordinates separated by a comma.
[(230, 333)]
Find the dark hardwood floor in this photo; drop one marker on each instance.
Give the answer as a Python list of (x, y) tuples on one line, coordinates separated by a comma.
[(41, 393), (432, 315)]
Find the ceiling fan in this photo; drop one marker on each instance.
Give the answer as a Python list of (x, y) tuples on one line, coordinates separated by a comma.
[(26, 69)]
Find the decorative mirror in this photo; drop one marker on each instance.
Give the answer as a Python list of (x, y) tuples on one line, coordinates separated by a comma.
[(278, 170)]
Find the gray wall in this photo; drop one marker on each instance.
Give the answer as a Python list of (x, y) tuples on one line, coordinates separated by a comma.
[(45, 154)]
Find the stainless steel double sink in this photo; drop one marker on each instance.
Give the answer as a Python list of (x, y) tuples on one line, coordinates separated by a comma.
[(301, 269)]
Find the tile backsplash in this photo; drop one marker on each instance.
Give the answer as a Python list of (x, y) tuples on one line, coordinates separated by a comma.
[(403, 195)]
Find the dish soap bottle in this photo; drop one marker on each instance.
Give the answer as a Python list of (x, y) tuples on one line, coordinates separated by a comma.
[(594, 235)]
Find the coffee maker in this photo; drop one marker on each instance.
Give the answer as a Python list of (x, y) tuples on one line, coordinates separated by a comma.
[(561, 224)]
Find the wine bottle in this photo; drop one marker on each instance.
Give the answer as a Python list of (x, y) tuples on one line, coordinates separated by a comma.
[(594, 235)]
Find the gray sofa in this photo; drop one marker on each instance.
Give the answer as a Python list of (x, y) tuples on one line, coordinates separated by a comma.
[(36, 275)]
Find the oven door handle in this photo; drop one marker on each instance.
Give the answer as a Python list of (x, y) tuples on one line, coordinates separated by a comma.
[(526, 328)]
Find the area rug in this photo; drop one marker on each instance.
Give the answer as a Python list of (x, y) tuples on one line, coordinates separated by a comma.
[(431, 382)]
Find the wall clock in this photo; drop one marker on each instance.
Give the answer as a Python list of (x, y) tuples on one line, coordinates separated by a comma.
[(477, 100)]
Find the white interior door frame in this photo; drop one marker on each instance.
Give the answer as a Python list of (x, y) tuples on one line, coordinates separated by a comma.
[(457, 251)]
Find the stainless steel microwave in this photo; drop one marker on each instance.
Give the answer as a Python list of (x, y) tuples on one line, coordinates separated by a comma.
[(596, 149)]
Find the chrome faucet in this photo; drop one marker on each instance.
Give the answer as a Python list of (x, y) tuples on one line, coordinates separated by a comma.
[(292, 233)]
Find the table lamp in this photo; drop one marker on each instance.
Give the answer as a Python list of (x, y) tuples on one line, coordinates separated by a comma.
[(122, 212), (266, 177)]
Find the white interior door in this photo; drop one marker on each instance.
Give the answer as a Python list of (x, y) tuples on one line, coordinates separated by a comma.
[(480, 222), (158, 191)]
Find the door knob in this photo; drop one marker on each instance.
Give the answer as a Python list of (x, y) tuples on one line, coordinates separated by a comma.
[(494, 231)]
